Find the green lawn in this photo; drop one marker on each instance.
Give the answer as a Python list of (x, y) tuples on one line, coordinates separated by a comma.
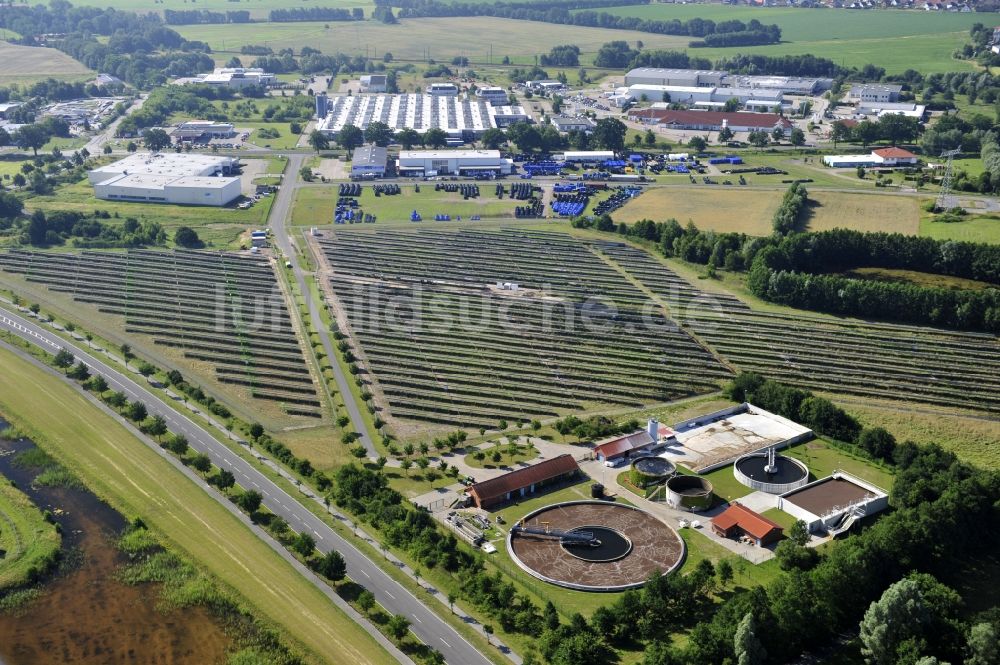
[(285, 140), (140, 483), (975, 228), (10, 165), (27, 540), (524, 453), (823, 459), (314, 205), (218, 228)]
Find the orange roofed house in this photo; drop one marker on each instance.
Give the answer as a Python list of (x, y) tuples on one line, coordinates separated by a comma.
[(738, 520), (522, 482)]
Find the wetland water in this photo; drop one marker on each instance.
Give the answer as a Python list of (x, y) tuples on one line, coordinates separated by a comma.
[(84, 614)]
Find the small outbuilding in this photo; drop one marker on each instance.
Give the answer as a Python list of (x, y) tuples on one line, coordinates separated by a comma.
[(738, 520)]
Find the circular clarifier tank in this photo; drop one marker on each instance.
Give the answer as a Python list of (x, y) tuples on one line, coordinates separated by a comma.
[(786, 474), (607, 544)]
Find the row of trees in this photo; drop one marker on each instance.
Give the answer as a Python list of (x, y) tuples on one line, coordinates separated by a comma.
[(579, 13), (608, 134), (789, 215), (795, 270), (892, 128), (198, 16)]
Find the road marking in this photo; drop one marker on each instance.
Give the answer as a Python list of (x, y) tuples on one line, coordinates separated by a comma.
[(255, 485), (365, 573), (445, 642), (417, 618), (226, 460), (390, 595)]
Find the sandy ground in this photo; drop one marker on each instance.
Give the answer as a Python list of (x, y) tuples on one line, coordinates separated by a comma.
[(332, 169)]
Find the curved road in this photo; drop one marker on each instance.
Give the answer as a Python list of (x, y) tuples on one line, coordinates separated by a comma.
[(395, 598)]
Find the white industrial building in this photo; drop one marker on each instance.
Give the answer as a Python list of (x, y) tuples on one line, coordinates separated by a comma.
[(545, 86), (233, 77), (448, 162), (198, 129), (185, 179), (493, 94), (587, 155), (880, 157), (374, 83), (710, 97), (703, 78), (875, 92), (879, 109), (443, 90), (369, 161), (462, 119), (568, 124)]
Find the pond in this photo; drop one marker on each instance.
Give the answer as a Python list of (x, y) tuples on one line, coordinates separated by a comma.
[(84, 614)]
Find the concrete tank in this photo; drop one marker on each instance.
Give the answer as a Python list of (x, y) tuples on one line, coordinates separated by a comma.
[(689, 493), (650, 470)]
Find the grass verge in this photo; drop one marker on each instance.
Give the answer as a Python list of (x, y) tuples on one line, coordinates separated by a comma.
[(138, 481)]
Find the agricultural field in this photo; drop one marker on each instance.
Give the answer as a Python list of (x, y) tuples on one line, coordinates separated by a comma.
[(218, 228), (750, 211), (896, 40), (420, 39), (445, 347), (918, 278), (840, 356), (314, 205), (220, 317), (27, 540), (27, 64)]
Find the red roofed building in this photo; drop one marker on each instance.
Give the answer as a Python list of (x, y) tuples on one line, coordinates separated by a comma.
[(738, 520), (713, 121), (896, 156), (624, 446), (522, 482)]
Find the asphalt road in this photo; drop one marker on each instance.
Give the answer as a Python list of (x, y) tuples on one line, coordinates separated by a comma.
[(424, 623), (281, 212)]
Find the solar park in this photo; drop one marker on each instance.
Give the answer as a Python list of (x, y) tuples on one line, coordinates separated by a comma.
[(523, 353), (221, 316)]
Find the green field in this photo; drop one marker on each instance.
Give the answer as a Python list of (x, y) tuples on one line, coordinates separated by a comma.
[(27, 540), (218, 228), (896, 40), (258, 8), (420, 39), (27, 64), (976, 228), (919, 278), (314, 205), (139, 482), (972, 437)]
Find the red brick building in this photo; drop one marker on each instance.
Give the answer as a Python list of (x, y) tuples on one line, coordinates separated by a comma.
[(738, 520), (522, 482)]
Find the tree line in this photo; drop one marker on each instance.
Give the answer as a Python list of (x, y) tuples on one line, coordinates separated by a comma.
[(139, 48), (788, 216), (316, 14), (799, 270), (565, 12), (199, 16)]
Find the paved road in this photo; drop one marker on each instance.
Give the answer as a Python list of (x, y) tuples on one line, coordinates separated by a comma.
[(96, 143), (281, 211), (425, 624)]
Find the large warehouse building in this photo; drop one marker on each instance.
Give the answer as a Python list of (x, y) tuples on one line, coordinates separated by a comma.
[(185, 179), (750, 98), (452, 162), (713, 121), (701, 78), (462, 119)]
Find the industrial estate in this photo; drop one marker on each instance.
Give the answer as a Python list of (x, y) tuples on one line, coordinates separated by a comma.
[(585, 332)]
